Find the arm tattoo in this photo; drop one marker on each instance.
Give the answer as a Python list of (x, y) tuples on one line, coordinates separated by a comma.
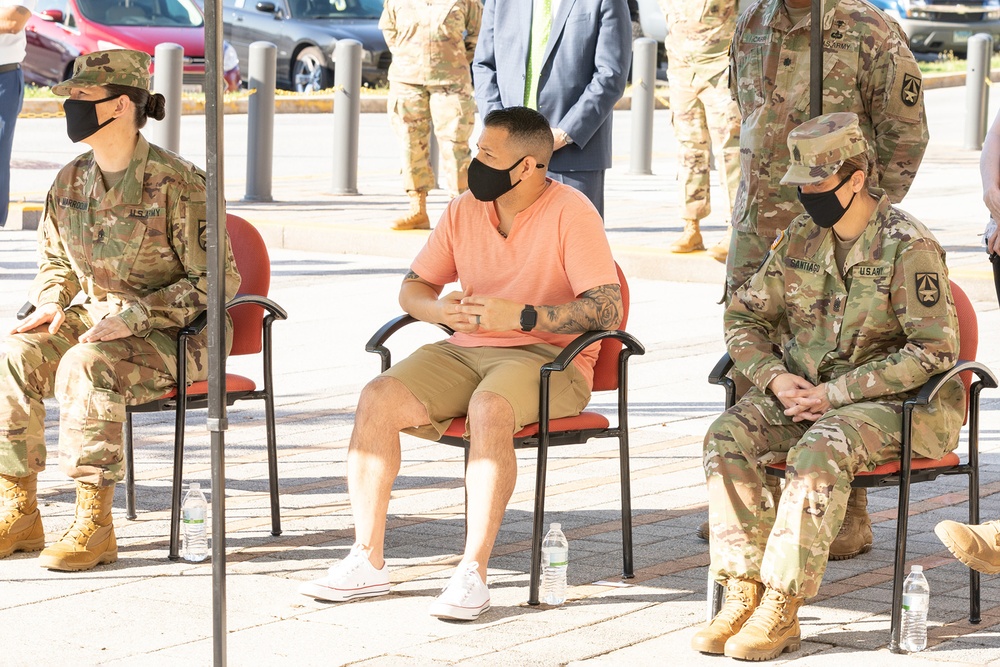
[(410, 275), (598, 309)]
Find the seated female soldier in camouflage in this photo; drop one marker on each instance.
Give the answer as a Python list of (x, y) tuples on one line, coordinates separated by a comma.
[(122, 268), (863, 289)]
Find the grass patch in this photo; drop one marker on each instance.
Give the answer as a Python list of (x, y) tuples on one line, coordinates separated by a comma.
[(949, 63)]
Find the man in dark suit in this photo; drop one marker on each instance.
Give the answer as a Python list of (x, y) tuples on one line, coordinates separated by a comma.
[(568, 59)]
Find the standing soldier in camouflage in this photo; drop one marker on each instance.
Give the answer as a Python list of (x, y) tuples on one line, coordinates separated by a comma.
[(432, 44), (863, 291), (867, 70), (122, 268), (704, 113)]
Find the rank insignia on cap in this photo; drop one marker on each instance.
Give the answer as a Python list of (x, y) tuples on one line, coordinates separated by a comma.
[(911, 90), (928, 288)]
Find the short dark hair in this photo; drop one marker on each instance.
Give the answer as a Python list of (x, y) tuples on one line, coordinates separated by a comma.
[(527, 128), (146, 104)]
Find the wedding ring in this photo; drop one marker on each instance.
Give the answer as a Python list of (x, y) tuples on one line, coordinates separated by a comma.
[(477, 320)]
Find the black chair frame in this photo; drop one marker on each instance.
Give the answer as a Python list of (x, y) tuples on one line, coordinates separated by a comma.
[(906, 476), (545, 439)]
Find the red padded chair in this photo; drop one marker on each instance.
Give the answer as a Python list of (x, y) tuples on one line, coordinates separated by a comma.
[(251, 335), (912, 469), (610, 374)]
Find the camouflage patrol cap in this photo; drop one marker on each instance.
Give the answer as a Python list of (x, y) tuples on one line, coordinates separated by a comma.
[(121, 67), (819, 146)]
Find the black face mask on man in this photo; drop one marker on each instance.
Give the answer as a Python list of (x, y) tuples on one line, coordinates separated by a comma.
[(488, 183), (825, 208), (81, 118)]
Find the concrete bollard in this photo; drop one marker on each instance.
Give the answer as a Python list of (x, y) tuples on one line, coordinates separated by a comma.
[(643, 84), (260, 121), (977, 78), (168, 76), (346, 116)]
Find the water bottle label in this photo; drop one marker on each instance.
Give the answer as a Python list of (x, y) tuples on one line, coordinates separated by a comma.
[(556, 557), (913, 602), (194, 516)]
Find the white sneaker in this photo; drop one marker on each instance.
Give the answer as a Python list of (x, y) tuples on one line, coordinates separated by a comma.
[(464, 598), (353, 577)]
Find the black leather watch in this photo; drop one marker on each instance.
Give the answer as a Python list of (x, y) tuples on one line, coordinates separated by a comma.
[(529, 318)]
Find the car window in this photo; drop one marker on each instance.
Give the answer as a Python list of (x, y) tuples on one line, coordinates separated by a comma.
[(335, 9), (59, 5), (159, 13)]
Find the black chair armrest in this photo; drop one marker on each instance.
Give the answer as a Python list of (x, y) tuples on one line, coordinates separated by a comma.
[(721, 370), (376, 344), (586, 339), (931, 387), (27, 309), (198, 324)]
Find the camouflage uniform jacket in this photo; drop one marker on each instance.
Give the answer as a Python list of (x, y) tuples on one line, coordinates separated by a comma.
[(699, 32), (867, 69), (878, 335), (432, 41), (136, 251)]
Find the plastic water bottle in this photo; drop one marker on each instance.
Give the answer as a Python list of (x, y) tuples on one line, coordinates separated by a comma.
[(555, 559), (194, 512), (916, 600)]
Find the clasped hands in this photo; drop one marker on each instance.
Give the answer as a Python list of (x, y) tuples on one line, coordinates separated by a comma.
[(803, 400), (467, 313), (110, 328)]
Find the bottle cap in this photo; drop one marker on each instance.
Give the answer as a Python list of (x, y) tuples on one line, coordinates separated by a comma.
[(916, 568), (194, 486), (556, 526)]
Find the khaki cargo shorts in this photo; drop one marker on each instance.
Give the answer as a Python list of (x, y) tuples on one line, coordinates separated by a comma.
[(445, 377)]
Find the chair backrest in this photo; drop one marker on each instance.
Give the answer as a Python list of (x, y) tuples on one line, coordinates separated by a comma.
[(255, 270), (606, 368), (968, 333)]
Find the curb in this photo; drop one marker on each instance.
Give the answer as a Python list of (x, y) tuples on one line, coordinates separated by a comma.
[(52, 108)]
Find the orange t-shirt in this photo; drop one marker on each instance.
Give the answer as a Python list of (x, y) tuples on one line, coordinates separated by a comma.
[(556, 250)]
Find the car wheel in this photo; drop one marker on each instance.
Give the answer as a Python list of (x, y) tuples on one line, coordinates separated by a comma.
[(310, 72)]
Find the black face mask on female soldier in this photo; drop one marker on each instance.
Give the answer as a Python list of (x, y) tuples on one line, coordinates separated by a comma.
[(488, 183), (81, 118), (825, 208)]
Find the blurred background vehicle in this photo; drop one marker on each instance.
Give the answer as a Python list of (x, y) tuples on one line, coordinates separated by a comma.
[(61, 30), (306, 33), (935, 26)]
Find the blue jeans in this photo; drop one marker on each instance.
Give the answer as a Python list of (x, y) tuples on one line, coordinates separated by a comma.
[(11, 98)]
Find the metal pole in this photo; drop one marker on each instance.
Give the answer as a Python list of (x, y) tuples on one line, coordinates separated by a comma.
[(643, 83), (167, 78), (816, 59), (976, 95), (216, 261), (346, 116), (435, 156), (260, 121)]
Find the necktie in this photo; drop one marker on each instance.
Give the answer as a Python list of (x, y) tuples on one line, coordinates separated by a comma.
[(541, 24)]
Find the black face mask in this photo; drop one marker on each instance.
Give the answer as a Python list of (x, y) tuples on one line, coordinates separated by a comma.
[(81, 118), (488, 183), (823, 207)]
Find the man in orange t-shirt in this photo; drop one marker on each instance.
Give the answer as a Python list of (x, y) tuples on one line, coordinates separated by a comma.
[(535, 270)]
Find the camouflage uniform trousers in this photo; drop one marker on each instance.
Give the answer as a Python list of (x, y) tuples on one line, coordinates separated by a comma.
[(453, 109), (705, 115), (788, 551), (93, 383)]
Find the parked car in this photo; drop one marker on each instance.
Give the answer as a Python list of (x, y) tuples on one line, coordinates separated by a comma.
[(61, 30), (306, 33), (944, 25)]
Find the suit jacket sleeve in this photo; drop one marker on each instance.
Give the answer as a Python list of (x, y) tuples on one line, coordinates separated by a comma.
[(611, 63), (484, 65)]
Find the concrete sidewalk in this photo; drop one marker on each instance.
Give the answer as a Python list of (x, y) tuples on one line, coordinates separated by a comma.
[(145, 610)]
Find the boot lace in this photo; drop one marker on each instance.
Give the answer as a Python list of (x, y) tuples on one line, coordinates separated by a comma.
[(771, 610), (738, 602)]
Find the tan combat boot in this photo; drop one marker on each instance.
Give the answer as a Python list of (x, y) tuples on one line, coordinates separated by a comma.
[(771, 630), (90, 540), (417, 217), (855, 536), (773, 484), (20, 522), (690, 239), (976, 546), (742, 597), (720, 251)]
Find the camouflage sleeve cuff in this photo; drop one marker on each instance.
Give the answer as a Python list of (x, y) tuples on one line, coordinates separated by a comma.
[(763, 377), (136, 319), (838, 392)]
